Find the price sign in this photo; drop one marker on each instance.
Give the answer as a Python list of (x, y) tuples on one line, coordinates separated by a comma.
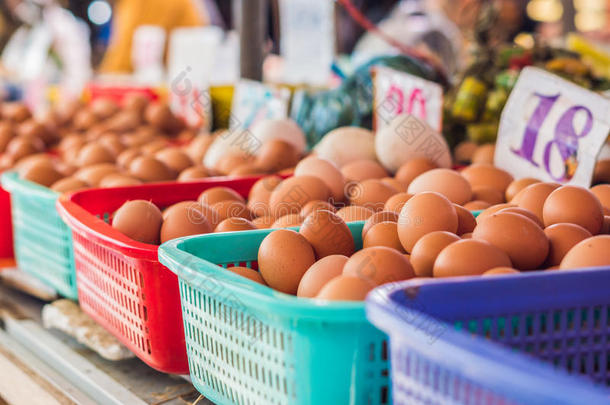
[(399, 92), (254, 101), (551, 129), (147, 53)]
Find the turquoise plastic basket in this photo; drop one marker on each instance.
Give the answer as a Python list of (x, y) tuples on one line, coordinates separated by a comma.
[(249, 344), (43, 243)]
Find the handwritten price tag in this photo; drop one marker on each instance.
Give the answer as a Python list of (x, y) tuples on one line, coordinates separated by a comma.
[(551, 129), (254, 101), (398, 92)]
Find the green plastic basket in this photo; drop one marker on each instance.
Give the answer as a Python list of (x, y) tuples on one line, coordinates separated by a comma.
[(43, 243), (249, 344)]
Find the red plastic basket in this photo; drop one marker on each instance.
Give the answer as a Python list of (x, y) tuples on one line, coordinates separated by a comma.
[(121, 283), (6, 229)]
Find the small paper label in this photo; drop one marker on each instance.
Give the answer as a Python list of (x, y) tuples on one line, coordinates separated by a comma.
[(399, 92), (551, 129), (254, 101)]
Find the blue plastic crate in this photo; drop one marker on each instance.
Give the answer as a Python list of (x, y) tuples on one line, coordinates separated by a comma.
[(549, 325)]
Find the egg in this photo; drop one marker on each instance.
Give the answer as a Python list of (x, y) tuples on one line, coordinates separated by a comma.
[(378, 217), (291, 195), (424, 213), (489, 176), (379, 264), (353, 213), (123, 121), (469, 257), (94, 174), (39, 159), (68, 184), (427, 249), (602, 192), (247, 273), (287, 221), (562, 237), (152, 147), (591, 252), (283, 258), (264, 222), (332, 145), (174, 158), (118, 180), (94, 153), (412, 169), (476, 205), (328, 234), (160, 116), (197, 148), (15, 111), (112, 142), (71, 141), (606, 226), (276, 154), (601, 174), (284, 129), (19, 147), (84, 120), (316, 205), (230, 161), (246, 169), (447, 182), (127, 156), (517, 185), (463, 152), (234, 224), (149, 169), (383, 234), (217, 194), (34, 129), (180, 221), (484, 154), (492, 210), (532, 197), (575, 205), (487, 194), (103, 108), (396, 202), (520, 237), (258, 198), (231, 208), (326, 171), (371, 193), (395, 184), (40, 173), (193, 173), (360, 170), (500, 270), (319, 274), (466, 221), (345, 288), (139, 220)]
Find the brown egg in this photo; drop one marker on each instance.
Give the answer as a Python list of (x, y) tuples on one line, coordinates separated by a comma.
[(94, 153), (486, 175), (412, 169), (179, 222), (484, 154), (487, 194), (328, 234), (517, 185), (123, 121), (36, 159), (591, 252), (175, 159), (113, 143), (319, 274), (575, 205), (228, 162), (467, 235), (396, 202), (136, 140), (562, 238), (532, 197), (258, 198), (466, 221), (34, 129), (345, 288), (283, 258), (500, 270), (525, 213), (40, 173), (149, 169), (135, 102), (291, 195), (360, 170), (155, 146), (326, 171), (247, 169), (492, 210), (316, 205), (197, 211), (198, 147), (93, 175), (6, 135), (424, 213), (127, 156), (103, 108), (194, 205), (71, 141), (19, 148), (606, 226), (371, 193), (68, 184), (275, 155), (217, 194), (476, 205), (353, 213), (469, 257), (265, 221), (160, 116), (287, 221), (464, 151), (193, 173), (118, 180), (139, 220), (378, 217), (427, 249), (379, 264), (602, 192), (248, 273), (83, 120), (520, 237), (444, 181), (383, 234), (15, 111), (601, 174), (235, 224), (231, 208)]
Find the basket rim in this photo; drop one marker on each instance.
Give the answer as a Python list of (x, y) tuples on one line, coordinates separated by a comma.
[(11, 182)]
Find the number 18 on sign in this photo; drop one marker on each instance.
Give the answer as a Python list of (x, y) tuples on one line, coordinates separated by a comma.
[(551, 129)]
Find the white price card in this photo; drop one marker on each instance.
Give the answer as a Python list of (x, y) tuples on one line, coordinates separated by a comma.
[(254, 101), (147, 53), (551, 129), (398, 92)]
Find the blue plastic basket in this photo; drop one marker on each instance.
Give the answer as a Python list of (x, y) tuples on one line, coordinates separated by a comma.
[(443, 333), (249, 344)]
